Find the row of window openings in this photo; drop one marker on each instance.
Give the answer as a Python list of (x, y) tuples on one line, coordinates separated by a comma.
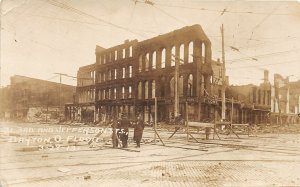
[(114, 55), (261, 97), (112, 75), (87, 95), (86, 79), (112, 93), (145, 59), (172, 88)]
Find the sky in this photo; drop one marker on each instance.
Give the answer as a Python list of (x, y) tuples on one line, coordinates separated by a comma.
[(43, 37)]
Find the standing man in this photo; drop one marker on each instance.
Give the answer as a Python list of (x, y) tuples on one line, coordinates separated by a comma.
[(114, 134), (138, 131)]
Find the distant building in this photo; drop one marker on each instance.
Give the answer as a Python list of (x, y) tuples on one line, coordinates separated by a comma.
[(285, 100), (83, 107), (252, 104), (27, 96)]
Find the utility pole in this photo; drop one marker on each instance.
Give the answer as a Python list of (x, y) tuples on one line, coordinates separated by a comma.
[(60, 74), (176, 95), (0, 43), (223, 76)]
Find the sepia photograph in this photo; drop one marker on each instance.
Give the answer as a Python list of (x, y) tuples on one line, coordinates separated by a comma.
[(149, 93)]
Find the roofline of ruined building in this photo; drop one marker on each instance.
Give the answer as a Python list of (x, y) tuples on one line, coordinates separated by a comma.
[(183, 30), (36, 79), (87, 67)]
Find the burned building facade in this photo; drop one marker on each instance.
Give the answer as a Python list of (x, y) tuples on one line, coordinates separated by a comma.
[(83, 108), (185, 53), (285, 102), (129, 76), (251, 103), (114, 86), (176, 70)]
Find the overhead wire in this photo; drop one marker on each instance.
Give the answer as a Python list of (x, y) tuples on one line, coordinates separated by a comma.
[(262, 65), (77, 11), (221, 11), (262, 55)]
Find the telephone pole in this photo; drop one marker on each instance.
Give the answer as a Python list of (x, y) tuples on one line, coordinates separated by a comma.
[(223, 76), (60, 74), (0, 42), (176, 95)]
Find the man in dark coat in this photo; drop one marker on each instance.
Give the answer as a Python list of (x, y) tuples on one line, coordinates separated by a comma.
[(123, 130), (138, 131), (114, 134)]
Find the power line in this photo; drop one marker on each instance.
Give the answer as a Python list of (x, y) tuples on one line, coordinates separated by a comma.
[(262, 65), (262, 55), (77, 11), (223, 11), (263, 20), (166, 13)]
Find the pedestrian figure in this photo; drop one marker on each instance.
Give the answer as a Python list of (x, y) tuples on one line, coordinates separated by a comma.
[(123, 130), (138, 131), (114, 134)]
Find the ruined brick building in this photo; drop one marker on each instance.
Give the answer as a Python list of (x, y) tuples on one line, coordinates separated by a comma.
[(128, 77)]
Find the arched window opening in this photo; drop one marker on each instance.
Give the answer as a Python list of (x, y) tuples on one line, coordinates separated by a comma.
[(147, 62), (140, 63), (115, 74), (130, 71), (146, 90), (109, 93), (124, 53), (203, 53), (123, 73), (129, 92), (153, 89), (163, 58), (103, 94), (173, 56), (116, 55), (191, 52), (130, 51), (154, 60), (181, 54), (104, 59), (115, 93), (123, 92), (190, 85), (109, 75), (140, 90)]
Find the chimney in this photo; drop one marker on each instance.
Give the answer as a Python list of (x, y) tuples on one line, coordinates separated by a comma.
[(266, 76), (126, 41)]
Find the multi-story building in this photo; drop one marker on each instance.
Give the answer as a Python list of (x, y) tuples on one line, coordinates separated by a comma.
[(285, 100), (129, 76), (26, 96), (251, 103)]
